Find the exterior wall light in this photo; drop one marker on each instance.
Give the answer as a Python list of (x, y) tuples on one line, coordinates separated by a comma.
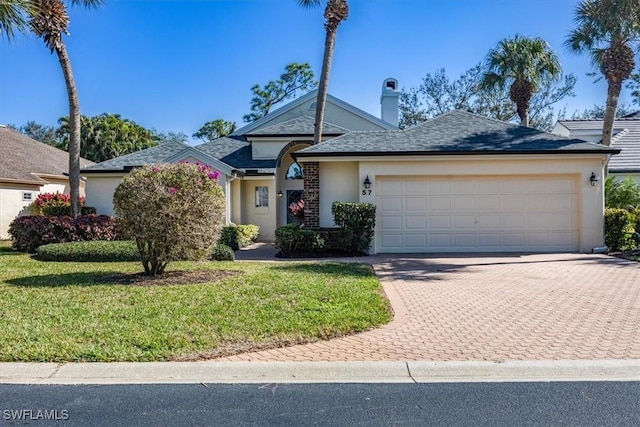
[(367, 183), (280, 193), (593, 179)]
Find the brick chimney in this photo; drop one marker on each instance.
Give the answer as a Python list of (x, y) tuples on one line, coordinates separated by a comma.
[(389, 101)]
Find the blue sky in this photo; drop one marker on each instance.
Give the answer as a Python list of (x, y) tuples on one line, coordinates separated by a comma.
[(175, 64)]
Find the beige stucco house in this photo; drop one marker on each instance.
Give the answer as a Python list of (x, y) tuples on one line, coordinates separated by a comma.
[(28, 168), (457, 183)]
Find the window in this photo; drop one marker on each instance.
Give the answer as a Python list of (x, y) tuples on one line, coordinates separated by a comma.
[(295, 171), (262, 197), (27, 196)]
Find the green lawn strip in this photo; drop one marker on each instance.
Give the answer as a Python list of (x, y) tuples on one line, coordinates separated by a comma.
[(52, 311)]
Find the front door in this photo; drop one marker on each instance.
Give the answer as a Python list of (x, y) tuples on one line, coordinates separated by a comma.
[(292, 196)]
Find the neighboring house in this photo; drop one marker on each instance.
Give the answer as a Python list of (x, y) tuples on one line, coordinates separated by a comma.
[(28, 168), (626, 137), (456, 183)]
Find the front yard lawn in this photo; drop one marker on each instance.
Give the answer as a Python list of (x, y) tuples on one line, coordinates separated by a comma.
[(54, 311)]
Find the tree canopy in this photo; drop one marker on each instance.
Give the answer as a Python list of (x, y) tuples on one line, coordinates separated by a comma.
[(215, 129), (438, 93), (296, 78)]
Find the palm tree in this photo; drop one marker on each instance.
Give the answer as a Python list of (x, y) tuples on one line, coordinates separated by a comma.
[(335, 12), (12, 17), (606, 30), (523, 63), (49, 20)]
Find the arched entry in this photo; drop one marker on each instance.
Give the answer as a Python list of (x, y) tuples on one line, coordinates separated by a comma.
[(289, 181)]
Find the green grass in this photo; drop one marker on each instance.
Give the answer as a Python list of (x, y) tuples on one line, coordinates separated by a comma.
[(53, 311)]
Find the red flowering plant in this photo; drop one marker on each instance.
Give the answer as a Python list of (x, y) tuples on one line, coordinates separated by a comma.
[(297, 210), (51, 199)]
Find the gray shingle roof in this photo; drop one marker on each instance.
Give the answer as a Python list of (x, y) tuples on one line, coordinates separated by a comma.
[(452, 132), (23, 157), (236, 153), (303, 125), (147, 156), (626, 138)]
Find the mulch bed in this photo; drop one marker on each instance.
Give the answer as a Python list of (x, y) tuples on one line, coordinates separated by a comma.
[(168, 278)]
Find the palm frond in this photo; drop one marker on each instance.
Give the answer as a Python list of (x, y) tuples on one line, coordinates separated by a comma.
[(13, 17)]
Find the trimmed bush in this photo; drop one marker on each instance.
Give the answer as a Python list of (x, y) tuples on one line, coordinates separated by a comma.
[(618, 229), (96, 251), (30, 232), (66, 210), (221, 252), (239, 236), (291, 238), (53, 200), (172, 212), (357, 222)]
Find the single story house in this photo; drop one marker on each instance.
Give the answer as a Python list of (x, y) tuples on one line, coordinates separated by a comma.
[(28, 168), (456, 183), (626, 138)]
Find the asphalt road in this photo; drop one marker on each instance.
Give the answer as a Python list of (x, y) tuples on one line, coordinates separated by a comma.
[(458, 404)]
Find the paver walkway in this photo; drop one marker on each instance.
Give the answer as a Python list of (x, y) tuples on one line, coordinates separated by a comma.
[(501, 307)]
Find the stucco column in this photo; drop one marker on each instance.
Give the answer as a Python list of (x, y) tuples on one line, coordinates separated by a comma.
[(312, 195)]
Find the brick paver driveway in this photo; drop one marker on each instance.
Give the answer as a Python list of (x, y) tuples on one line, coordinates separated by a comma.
[(520, 307)]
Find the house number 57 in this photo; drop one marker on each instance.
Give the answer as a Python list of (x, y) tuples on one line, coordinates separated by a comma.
[(366, 192)]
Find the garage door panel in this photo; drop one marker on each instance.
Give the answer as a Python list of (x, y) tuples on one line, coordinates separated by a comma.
[(488, 203), (391, 222), (418, 204), (489, 221), (415, 186), (518, 213), (464, 240), (489, 239), (391, 204), (416, 241), (440, 222), (439, 203), (464, 221), (440, 240), (461, 203), (415, 222), (442, 187)]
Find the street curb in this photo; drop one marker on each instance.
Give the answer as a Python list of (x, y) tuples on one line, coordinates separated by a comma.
[(318, 372)]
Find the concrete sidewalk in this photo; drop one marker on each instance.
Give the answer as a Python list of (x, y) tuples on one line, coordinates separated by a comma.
[(318, 372)]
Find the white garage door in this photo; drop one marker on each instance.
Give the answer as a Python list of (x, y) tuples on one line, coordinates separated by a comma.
[(492, 214)]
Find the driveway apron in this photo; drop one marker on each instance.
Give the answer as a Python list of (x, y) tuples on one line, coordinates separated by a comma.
[(493, 307)]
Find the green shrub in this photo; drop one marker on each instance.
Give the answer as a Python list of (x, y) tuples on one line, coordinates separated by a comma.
[(29, 232), (291, 238), (221, 252), (239, 236), (357, 222), (618, 229), (53, 200), (96, 251), (66, 210), (621, 194), (172, 211)]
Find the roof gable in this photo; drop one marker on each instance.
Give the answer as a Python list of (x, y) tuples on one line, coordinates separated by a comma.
[(295, 109)]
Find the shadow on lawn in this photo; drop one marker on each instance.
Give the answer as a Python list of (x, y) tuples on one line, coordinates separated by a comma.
[(58, 280), (326, 268)]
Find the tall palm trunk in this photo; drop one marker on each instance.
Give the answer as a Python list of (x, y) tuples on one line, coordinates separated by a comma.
[(329, 44), (74, 128), (613, 93)]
